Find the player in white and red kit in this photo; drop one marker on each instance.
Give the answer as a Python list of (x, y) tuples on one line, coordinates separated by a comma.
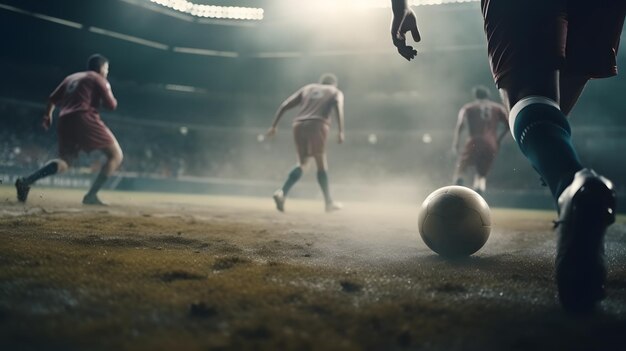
[(486, 123), (542, 54), (317, 103), (79, 97)]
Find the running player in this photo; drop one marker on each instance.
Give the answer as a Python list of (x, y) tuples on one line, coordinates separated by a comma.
[(483, 118), (542, 53), (79, 128), (317, 102)]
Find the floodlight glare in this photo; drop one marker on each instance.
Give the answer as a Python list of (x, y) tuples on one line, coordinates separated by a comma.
[(212, 11), (386, 3)]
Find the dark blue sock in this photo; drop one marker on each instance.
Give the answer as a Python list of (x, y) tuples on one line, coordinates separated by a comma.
[(322, 178), (293, 177), (97, 184), (544, 136), (47, 170)]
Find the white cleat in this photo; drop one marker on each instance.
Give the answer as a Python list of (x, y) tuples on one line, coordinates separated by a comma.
[(279, 199), (333, 207)]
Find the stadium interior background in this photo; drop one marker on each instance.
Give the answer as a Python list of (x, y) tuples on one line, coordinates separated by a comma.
[(195, 96)]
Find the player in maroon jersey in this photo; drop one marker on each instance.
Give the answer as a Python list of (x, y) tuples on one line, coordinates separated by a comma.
[(542, 54), (79, 97), (317, 102), (483, 119)]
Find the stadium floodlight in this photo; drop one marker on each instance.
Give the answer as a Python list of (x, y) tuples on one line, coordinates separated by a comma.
[(377, 4), (387, 3), (212, 11), (332, 7)]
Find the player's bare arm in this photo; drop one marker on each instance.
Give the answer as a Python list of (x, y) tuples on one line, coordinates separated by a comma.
[(286, 105), (457, 132), (53, 100), (340, 118), (109, 101), (404, 21), (47, 117)]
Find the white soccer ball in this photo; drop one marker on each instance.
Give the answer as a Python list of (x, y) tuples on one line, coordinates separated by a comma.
[(454, 221)]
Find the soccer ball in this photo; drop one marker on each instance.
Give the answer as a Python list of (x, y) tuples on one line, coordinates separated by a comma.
[(454, 221)]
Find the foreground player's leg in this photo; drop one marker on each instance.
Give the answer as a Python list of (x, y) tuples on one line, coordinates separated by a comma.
[(292, 179), (22, 185), (114, 157), (586, 209), (540, 128), (586, 201), (571, 86), (586, 206), (544, 136), (322, 179)]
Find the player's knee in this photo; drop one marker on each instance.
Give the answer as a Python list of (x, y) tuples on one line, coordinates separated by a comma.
[(303, 164), (116, 156), (120, 157), (320, 162), (62, 165)]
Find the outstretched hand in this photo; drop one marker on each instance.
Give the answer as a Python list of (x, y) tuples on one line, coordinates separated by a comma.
[(341, 137), (401, 24), (271, 132)]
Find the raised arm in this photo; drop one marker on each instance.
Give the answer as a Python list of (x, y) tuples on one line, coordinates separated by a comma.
[(288, 104), (460, 124), (403, 21), (340, 115)]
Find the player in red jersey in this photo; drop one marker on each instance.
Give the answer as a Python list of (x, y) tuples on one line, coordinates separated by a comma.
[(483, 118), (79, 97), (542, 54), (317, 102)]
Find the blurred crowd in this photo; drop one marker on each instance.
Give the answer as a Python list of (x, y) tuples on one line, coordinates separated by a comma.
[(172, 150)]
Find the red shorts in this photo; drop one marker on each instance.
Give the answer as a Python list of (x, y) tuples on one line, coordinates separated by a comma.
[(480, 153), (82, 132), (310, 137), (577, 36)]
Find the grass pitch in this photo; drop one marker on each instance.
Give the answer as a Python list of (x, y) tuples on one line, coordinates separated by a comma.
[(158, 271)]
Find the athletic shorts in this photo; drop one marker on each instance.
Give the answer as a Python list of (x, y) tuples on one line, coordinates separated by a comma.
[(82, 132), (479, 153), (580, 37), (310, 137)]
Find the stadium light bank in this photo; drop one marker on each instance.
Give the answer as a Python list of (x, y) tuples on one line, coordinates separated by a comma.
[(212, 11), (256, 14)]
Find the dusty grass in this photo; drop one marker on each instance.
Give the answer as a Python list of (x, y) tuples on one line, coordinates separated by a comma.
[(158, 271)]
